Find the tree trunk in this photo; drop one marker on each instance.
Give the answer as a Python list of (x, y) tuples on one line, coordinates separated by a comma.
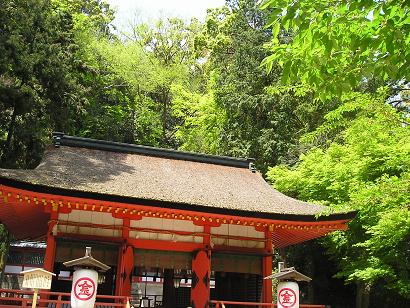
[(165, 111), (10, 133), (310, 273), (10, 130), (4, 249), (366, 296), (359, 294), (164, 123), (362, 294)]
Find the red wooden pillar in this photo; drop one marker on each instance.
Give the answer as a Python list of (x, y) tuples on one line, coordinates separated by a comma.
[(267, 269), (207, 235), (125, 270), (201, 277), (125, 266), (51, 243)]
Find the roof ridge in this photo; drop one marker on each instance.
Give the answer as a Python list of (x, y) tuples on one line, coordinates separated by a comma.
[(61, 139)]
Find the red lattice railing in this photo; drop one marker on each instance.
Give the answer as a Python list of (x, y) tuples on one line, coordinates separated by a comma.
[(224, 304), (18, 298)]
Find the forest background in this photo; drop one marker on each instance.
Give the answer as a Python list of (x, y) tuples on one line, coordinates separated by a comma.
[(316, 91)]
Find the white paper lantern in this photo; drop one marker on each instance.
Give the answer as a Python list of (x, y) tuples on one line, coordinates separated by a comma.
[(288, 294), (84, 289)]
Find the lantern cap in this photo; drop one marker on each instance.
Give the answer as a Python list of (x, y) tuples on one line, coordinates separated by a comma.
[(289, 274), (88, 261)]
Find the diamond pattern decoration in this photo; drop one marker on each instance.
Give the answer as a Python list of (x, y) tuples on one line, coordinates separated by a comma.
[(200, 290), (195, 280), (205, 280)]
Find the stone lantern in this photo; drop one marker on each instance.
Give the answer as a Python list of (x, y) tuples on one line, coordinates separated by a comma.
[(85, 279), (288, 288)]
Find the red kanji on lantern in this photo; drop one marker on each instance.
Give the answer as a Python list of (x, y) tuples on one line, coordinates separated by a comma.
[(84, 289), (287, 297)]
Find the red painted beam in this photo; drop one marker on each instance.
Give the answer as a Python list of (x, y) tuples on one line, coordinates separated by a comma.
[(297, 230), (165, 245), (256, 251), (65, 203), (86, 237)]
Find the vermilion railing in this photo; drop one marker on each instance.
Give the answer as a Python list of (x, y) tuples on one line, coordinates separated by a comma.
[(18, 298), (223, 304)]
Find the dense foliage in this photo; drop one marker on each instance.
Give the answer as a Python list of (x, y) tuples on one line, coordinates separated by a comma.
[(317, 90), (252, 120), (39, 87), (366, 168), (334, 46), (352, 54)]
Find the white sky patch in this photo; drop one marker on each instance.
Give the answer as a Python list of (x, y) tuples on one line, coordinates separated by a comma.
[(131, 12)]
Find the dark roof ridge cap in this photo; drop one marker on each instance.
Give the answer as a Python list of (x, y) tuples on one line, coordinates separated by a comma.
[(61, 139)]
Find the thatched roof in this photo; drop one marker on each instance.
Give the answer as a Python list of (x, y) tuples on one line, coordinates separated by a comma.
[(161, 177)]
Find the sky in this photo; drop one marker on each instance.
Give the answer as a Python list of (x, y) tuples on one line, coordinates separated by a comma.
[(133, 11)]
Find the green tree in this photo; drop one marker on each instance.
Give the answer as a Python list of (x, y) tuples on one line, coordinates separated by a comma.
[(5, 239), (332, 47), (36, 90), (365, 167), (258, 121), (119, 77), (41, 77), (88, 15), (168, 44), (200, 121)]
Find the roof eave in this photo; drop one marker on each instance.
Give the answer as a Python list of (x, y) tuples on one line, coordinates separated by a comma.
[(174, 205)]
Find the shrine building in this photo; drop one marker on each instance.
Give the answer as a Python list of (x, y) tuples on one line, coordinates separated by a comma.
[(192, 227)]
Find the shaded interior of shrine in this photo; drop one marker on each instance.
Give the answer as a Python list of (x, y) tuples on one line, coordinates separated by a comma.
[(164, 278)]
